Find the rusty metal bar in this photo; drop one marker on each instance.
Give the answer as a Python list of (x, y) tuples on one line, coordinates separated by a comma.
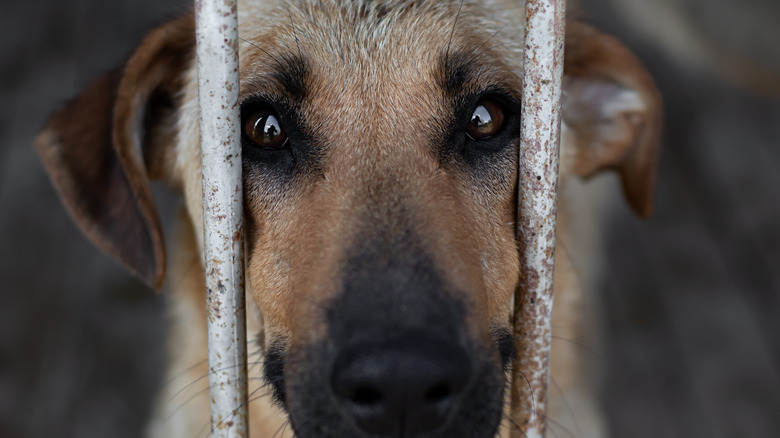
[(537, 199), (217, 40)]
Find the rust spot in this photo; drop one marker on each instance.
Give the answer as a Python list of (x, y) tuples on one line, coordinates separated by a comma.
[(531, 280)]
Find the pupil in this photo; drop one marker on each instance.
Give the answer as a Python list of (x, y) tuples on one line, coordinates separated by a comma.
[(271, 128), (264, 129), (481, 117)]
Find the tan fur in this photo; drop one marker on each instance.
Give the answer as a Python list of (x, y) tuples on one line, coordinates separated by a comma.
[(373, 96)]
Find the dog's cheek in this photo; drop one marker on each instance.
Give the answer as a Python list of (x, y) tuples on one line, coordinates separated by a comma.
[(501, 267), (267, 278), (271, 220), (290, 264), (492, 198), (268, 271)]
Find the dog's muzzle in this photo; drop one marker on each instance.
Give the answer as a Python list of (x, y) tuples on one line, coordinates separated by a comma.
[(397, 360)]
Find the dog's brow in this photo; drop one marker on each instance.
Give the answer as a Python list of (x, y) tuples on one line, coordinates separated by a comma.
[(462, 73), (456, 71), (290, 72)]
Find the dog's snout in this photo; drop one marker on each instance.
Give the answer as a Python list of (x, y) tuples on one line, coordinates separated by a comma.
[(406, 386)]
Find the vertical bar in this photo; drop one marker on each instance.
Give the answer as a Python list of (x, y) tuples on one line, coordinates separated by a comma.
[(217, 41), (537, 199)]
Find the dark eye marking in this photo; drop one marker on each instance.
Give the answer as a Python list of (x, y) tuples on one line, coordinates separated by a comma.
[(269, 135), (484, 123), (275, 143)]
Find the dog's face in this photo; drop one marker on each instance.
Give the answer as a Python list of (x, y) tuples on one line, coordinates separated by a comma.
[(380, 148), (381, 211)]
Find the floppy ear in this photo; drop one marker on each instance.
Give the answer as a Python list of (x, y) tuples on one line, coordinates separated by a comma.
[(614, 108), (100, 147)]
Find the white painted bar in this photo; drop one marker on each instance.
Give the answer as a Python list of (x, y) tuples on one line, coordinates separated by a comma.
[(537, 208), (217, 42)]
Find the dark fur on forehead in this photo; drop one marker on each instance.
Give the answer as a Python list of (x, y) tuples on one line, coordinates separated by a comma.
[(377, 10), (286, 74), (470, 71), (457, 71), (290, 72)]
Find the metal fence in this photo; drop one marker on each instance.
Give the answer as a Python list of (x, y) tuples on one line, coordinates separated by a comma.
[(220, 135), (536, 212), (217, 38)]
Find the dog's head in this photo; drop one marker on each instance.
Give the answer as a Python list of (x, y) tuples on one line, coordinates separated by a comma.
[(380, 145)]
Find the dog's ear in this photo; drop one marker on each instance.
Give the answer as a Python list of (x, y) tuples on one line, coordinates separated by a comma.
[(101, 147), (614, 108)]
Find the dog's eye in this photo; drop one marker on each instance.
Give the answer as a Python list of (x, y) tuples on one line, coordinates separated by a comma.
[(486, 120), (264, 129)]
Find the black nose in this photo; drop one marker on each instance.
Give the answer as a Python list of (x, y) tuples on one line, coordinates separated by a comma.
[(405, 386)]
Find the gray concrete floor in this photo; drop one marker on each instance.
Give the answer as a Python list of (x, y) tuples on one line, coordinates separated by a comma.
[(693, 340)]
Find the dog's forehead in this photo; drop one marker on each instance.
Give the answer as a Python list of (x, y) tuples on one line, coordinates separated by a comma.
[(384, 54)]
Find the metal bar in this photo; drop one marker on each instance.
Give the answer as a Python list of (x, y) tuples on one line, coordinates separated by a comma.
[(217, 41), (537, 199)]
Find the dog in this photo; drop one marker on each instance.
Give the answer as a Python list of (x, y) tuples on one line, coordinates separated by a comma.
[(379, 148)]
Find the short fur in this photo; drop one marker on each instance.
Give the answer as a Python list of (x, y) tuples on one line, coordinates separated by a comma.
[(380, 216)]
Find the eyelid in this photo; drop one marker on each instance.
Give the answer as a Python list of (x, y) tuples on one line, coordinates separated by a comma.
[(504, 99), (256, 102), (468, 102)]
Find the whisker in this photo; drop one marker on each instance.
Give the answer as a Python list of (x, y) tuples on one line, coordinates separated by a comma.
[(234, 412), (577, 272), (207, 375), (577, 344), (558, 424), (182, 373), (187, 401), (295, 34), (281, 429), (566, 404), (275, 59), (530, 390), (515, 425), (555, 434), (452, 33), (495, 47), (476, 52), (194, 396)]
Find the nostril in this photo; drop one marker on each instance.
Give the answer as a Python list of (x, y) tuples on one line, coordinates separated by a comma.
[(438, 393), (410, 386), (366, 396)]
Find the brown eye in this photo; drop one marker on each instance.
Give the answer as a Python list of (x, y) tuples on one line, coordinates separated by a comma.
[(264, 129), (487, 120)]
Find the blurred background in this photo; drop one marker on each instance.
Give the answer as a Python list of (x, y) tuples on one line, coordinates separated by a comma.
[(692, 296)]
